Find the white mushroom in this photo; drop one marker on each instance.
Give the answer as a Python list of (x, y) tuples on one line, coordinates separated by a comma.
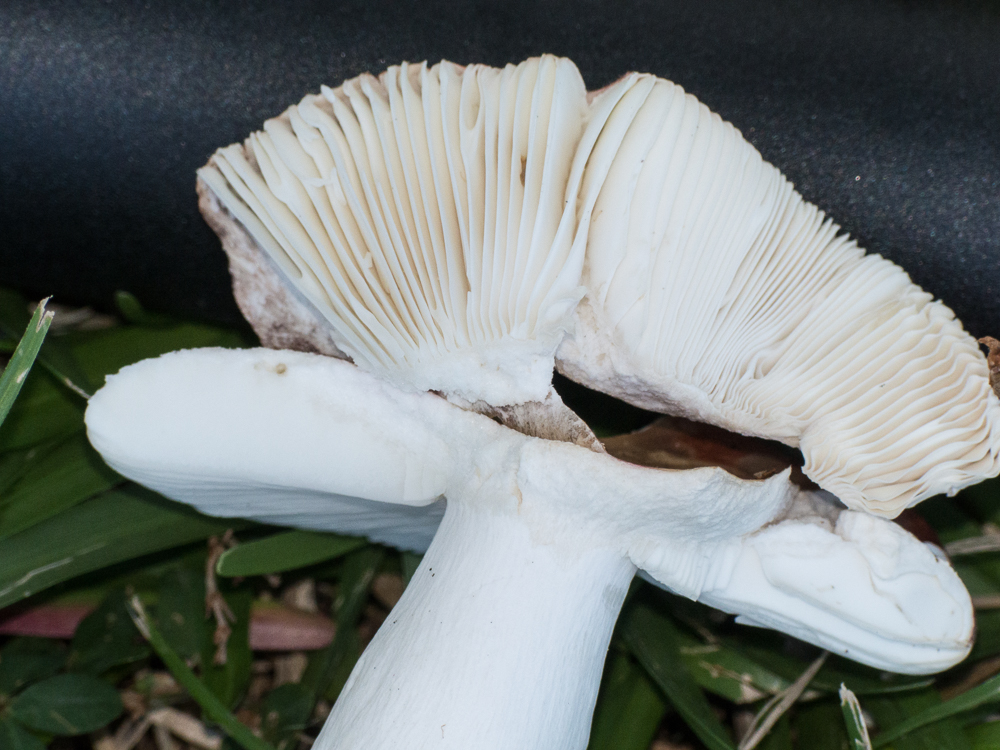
[(431, 224)]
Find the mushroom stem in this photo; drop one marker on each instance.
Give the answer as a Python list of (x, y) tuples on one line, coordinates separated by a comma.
[(498, 642)]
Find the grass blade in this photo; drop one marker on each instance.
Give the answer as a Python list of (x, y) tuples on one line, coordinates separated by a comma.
[(329, 668), (985, 736), (117, 526), (857, 730), (775, 708), (653, 639), (819, 725), (988, 692), (67, 475), (23, 358), (43, 411), (728, 673), (285, 551), (55, 356), (204, 697), (629, 708)]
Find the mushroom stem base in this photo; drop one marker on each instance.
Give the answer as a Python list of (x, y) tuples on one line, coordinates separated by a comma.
[(498, 642)]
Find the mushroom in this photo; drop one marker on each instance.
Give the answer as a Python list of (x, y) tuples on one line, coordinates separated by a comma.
[(439, 226)]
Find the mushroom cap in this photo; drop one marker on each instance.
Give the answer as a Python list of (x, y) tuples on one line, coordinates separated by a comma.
[(311, 441), (715, 292), (272, 436), (428, 216), (855, 584)]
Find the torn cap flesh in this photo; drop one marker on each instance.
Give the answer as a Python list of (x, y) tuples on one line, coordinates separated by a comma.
[(716, 293), (396, 208)]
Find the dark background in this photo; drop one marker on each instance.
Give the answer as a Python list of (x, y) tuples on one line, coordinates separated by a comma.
[(886, 114)]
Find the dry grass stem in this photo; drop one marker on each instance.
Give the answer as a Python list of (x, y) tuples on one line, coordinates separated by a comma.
[(778, 705), (186, 727), (215, 603)]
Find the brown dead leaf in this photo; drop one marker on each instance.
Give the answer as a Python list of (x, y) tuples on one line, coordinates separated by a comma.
[(186, 727), (387, 588), (676, 443), (301, 596), (289, 668)]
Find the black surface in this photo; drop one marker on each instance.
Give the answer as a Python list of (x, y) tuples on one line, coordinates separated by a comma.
[(885, 114)]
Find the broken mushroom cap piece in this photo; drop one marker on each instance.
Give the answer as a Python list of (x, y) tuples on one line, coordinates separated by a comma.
[(855, 584), (501, 636), (427, 216), (716, 293)]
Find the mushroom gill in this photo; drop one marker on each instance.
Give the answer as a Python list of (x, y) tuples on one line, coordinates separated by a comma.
[(428, 215), (715, 292)]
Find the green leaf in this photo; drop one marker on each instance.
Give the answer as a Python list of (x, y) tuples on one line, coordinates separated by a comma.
[(408, 564), (66, 475), (774, 710), (987, 641), (985, 736), (819, 725), (117, 526), (629, 708), (935, 711), (180, 611), (204, 697), (765, 647), (23, 358), (105, 352), (905, 716), (854, 721), (15, 464), (728, 673), (329, 667), (106, 638), (44, 411), (284, 713), (133, 311), (653, 639), (780, 736), (27, 660), (67, 704), (285, 551), (15, 737), (229, 681)]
